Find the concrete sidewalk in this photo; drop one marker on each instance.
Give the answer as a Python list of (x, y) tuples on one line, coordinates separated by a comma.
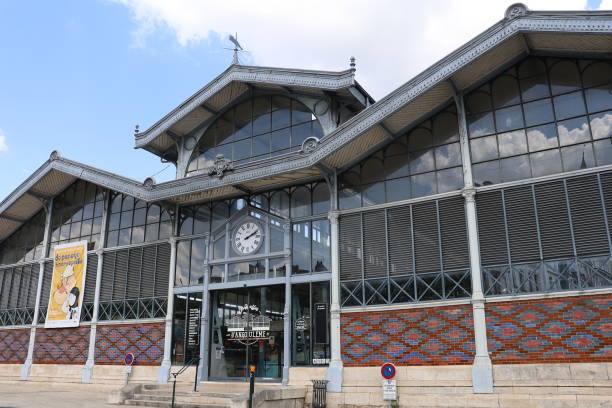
[(38, 395)]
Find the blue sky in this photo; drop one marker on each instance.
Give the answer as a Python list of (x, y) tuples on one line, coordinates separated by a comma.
[(77, 75)]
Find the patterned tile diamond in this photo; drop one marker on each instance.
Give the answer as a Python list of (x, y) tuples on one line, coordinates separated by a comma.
[(61, 346), (145, 341), (430, 336), (14, 345)]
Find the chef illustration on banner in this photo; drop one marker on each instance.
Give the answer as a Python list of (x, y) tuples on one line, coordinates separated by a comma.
[(67, 283)]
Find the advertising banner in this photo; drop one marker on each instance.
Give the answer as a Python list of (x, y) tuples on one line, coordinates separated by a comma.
[(67, 285)]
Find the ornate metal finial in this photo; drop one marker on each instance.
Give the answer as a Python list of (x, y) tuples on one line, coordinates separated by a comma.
[(352, 63), (54, 155), (221, 166), (516, 10), (309, 145), (149, 183), (136, 130)]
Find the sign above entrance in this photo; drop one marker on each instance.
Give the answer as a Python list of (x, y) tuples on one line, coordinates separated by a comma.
[(249, 326)]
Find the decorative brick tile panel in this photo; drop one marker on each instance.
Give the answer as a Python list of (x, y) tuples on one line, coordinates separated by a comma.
[(145, 341), (431, 336), (562, 330), (14, 346), (61, 346)]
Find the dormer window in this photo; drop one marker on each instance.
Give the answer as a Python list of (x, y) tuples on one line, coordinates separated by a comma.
[(257, 129)]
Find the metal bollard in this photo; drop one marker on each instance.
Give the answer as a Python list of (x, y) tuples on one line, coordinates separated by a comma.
[(251, 385), (319, 393)]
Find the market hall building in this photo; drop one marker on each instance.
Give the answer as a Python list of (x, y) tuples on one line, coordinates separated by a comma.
[(459, 228)]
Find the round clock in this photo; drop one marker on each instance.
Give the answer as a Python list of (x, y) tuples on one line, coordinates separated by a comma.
[(247, 238)]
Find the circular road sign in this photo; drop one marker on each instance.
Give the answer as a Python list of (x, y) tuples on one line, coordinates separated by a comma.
[(388, 371), (128, 359)]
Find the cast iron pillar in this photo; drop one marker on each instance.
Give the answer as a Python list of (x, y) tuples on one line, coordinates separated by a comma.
[(89, 364), (164, 370), (334, 372)]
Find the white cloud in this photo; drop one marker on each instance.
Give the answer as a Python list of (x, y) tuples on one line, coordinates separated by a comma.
[(3, 145), (392, 40)]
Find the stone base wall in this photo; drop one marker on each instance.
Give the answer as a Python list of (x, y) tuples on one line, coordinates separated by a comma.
[(560, 330)]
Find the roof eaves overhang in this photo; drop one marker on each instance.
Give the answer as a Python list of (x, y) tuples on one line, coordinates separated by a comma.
[(322, 80)]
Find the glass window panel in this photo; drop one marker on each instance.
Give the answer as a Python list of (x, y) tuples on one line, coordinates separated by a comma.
[(487, 173), (397, 166), (423, 184), (398, 189), (138, 234), (349, 197), (75, 230), (478, 101), (512, 143), (225, 150), (396, 148), (242, 120), (216, 274), (86, 228), (182, 263), (126, 219), (601, 125), (153, 214), (301, 248), (484, 148), (281, 139), (599, 98), (152, 232), (113, 236), (116, 205), (128, 204), (569, 105), (480, 124), (201, 220), (538, 112), (96, 225), (597, 73), (573, 131), (578, 157), (450, 179), (505, 91), (373, 169), (515, 168), (99, 209), (320, 198), (225, 129), (542, 137), (419, 138), (299, 113), (603, 152), (140, 216), (186, 223), (124, 236), (278, 268), (445, 128), (279, 203), (198, 257), (165, 229), (281, 112), (113, 222), (509, 118), (300, 133), (242, 149), (219, 248), (261, 115), (448, 156), (373, 193), (532, 79), (88, 210), (300, 202), (422, 161), (246, 271), (321, 244), (277, 240), (65, 232), (219, 216), (564, 77)]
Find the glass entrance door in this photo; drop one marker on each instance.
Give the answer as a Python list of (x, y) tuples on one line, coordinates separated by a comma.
[(247, 329)]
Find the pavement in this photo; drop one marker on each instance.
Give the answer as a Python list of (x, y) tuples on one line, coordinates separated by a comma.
[(46, 395)]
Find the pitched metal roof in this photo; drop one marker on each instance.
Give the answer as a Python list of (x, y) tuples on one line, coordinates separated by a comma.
[(520, 33)]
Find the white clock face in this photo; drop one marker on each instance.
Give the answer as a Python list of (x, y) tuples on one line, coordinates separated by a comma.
[(248, 238)]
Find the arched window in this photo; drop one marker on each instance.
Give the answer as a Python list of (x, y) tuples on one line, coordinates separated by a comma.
[(257, 129), (540, 117)]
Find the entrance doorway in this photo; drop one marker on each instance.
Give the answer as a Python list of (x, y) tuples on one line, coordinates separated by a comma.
[(247, 329)]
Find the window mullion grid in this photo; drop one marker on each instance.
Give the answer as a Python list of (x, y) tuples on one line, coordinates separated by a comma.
[(362, 260), (605, 214), (441, 260)]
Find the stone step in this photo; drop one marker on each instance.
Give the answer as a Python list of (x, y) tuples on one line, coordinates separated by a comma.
[(194, 398), (168, 404)]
